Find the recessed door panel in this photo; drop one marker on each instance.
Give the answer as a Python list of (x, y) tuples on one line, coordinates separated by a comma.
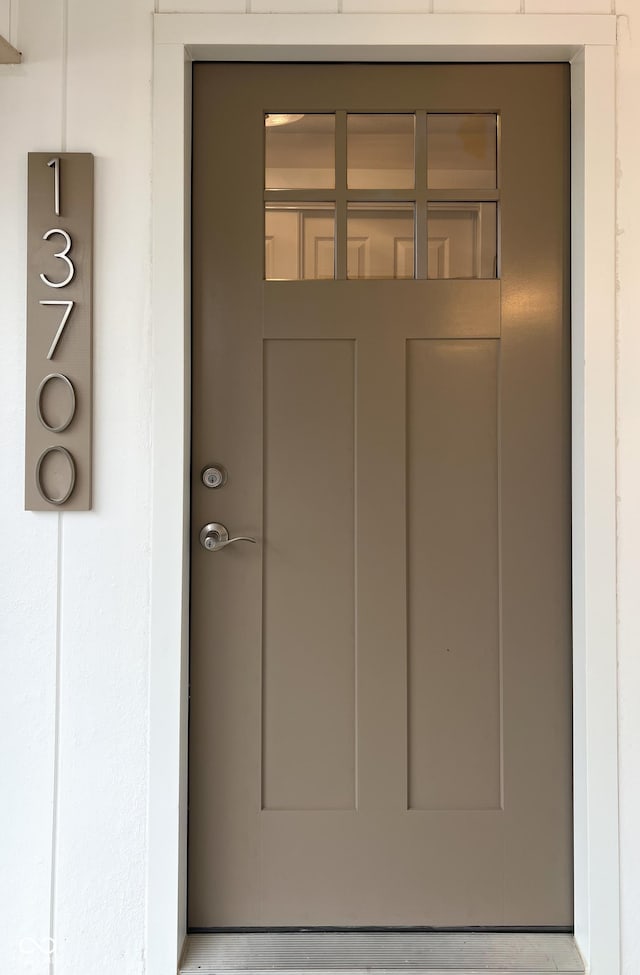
[(380, 726), (453, 584), (308, 727)]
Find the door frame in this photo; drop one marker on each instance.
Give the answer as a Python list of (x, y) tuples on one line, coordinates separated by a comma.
[(588, 43)]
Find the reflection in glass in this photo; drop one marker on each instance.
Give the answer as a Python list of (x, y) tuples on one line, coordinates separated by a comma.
[(299, 241), (461, 151), (380, 152), (380, 240), (299, 152), (462, 240)]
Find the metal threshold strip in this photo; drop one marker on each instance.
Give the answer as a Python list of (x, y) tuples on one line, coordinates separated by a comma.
[(387, 953)]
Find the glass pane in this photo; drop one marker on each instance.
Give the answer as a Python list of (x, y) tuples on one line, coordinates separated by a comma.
[(380, 152), (462, 240), (299, 152), (380, 240), (299, 241), (461, 151)]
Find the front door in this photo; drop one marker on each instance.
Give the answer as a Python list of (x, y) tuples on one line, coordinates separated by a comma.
[(380, 727)]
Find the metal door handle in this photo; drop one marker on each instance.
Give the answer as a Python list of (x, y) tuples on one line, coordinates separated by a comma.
[(215, 536)]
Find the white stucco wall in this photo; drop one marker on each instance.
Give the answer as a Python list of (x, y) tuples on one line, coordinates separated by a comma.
[(75, 587)]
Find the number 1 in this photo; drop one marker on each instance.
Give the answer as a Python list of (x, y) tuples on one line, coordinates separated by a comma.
[(55, 162), (61, 326)]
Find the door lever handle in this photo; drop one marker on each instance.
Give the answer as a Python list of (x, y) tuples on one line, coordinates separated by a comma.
[(215, 536)]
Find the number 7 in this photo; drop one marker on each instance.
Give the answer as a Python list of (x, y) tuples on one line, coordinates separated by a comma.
[(61, 326)]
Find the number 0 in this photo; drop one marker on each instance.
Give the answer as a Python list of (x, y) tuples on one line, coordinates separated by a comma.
[(66, 382), (72, 474)]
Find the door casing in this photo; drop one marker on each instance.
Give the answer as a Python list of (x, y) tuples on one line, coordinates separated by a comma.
[(588, 42)]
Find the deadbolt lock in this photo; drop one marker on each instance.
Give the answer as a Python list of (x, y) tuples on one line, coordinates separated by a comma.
[(214, 477)]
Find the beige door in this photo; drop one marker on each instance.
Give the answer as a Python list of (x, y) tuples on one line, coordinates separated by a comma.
[(380, 727)]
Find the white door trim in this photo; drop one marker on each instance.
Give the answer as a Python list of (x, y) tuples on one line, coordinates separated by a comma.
[(589, 43)]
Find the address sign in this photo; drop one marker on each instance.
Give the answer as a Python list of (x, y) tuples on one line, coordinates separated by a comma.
[(59, 331)]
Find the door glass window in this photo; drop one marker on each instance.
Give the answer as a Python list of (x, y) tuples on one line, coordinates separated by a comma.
[(461, 151), (299, 241), (387, 196), (380, 152), (462, 240), (380, 240), (299, 151)]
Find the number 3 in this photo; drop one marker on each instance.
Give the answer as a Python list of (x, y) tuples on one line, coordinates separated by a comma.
[(63, 257)]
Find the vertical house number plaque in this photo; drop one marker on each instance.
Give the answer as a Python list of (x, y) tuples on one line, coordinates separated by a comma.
[(59, 325)]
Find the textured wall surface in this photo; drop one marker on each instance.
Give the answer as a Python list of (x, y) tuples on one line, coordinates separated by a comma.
[(74, 588), (75, 591)]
